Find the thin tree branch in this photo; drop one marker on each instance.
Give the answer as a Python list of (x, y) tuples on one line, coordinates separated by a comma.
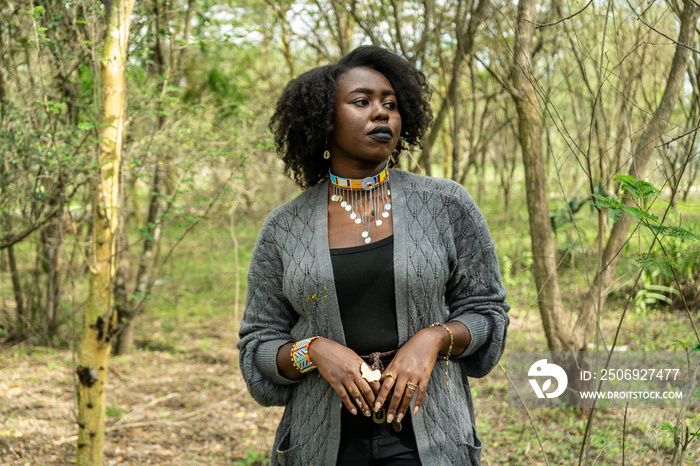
[(659, 32), (539, 25), (678, 137), (532, 423)]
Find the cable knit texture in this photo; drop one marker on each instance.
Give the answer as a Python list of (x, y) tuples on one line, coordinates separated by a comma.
[(445, 269)]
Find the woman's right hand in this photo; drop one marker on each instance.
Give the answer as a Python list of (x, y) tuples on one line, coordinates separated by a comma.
[(340, 366)]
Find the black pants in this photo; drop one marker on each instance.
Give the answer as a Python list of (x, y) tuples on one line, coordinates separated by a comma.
[(366, 443)]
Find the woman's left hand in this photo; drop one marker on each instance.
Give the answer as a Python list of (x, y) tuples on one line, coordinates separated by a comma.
[(409, 372)]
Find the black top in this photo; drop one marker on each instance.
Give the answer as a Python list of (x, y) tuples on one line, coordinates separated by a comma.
[(364, 282)]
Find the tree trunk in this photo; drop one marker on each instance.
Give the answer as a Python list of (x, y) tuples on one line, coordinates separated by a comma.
[(556, 328), (21, 328), (100, 317), (51, 246), (125, 335), (51, 243), (585, 325)]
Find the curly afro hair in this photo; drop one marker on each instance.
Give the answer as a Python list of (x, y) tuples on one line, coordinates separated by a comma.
[(303, 116)]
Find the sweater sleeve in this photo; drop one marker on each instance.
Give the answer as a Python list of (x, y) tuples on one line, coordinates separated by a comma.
[(475, 294), (266, 324)]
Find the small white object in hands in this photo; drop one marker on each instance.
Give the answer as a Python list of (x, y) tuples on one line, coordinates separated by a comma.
[(369, 375)]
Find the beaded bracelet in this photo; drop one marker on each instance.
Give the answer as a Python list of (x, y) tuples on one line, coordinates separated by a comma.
[(446, 358), (300, 355)]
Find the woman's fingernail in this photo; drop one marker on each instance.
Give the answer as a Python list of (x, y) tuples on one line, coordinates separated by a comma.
[(377, 405), (368, 413), (390, 418), (399, 417), (415, 410), (353, 411)]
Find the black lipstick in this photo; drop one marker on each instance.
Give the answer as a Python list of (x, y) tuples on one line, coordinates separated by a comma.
[(383, 133)]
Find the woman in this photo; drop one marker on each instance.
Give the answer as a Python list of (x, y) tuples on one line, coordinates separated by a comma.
[(369, 261)]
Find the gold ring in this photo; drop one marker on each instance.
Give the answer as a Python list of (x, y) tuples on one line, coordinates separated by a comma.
[(389, 374), (411, 385)]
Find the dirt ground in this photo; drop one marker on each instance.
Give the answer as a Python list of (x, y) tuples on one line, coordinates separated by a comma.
[(179, 399), (188, 408)]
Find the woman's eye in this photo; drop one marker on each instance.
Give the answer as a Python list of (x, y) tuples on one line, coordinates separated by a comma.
[(361, 102), (390, 105)]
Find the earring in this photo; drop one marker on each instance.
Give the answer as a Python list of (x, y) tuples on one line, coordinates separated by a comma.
[(326, 153)]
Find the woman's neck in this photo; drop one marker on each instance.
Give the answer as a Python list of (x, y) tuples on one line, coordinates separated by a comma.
[(357, 171)]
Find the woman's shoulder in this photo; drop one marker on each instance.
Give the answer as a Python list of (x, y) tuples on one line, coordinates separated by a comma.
[(442, 187), (301, 207)]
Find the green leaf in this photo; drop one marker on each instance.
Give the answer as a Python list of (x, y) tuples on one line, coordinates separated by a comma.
[(664, 289), (668, 427), (675, 232), (146, 234), (605, 202), (168, 199), (652, 261), (640, 214), (637, 188), (651, 298)]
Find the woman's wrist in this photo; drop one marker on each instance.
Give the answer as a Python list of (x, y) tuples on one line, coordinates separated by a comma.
[(447, 339), (314, 349), (439, 338), (300, 357), (448, 353), (435, 340), (285, 360)]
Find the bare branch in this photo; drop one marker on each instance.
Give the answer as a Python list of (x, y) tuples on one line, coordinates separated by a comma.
[(659, 32), (505, 84), (397, 21), (678, 137), (12, 239), (540, 26), (532, 423)]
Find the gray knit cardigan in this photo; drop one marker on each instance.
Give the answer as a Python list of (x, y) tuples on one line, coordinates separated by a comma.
[(445, 269)]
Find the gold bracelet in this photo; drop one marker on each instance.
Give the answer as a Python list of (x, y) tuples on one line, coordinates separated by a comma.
[(446, 358)]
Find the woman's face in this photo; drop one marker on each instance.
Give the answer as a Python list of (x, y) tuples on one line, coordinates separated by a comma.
[(366, 120)]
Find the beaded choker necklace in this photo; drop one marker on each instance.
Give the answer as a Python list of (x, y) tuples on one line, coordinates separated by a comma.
[(363, 198)]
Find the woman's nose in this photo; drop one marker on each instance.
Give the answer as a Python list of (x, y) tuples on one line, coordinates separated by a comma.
[(380, 112)]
